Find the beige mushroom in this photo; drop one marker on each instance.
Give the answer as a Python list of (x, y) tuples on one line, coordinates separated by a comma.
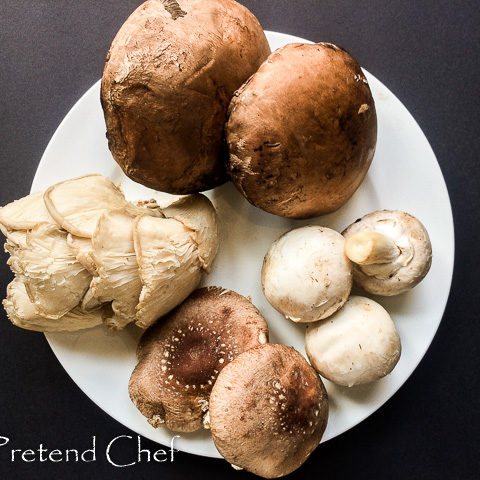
[(391, 252), (306, 275), (76, 204), (25, 213), (23, 313), (358, 344), (171, 253), (55, 281), (181, 356), (116, 277), (268, 411)]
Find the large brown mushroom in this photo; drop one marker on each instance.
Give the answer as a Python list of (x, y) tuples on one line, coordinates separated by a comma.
[(268, 411), (302, 131), (180, 357), (169, 76)]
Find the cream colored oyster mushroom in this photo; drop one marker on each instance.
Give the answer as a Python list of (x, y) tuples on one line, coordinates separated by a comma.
[(23, 313), (117, 279), (54, 280), (391, 252), (358, 344), (197, 213), (76, 204), (25, 213), (306, 275), (83, 250)]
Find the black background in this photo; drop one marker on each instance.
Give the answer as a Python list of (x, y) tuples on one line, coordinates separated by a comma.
[(427, 53)]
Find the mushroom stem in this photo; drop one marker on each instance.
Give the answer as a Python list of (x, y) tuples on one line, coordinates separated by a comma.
[(369, 247)]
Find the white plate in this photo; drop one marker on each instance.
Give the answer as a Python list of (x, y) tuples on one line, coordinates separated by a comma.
[(404, 175)]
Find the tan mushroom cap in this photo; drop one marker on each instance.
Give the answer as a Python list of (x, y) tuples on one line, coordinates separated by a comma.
[(181, 356), (392, 251), (268, 411), (306, 275), (358, 344)]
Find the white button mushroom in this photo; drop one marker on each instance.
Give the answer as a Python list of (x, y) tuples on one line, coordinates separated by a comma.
[(306, 275), (358, 344), (391, 252)]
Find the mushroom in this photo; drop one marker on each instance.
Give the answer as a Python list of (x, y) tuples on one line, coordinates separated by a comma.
[(180, 357), (25, 213), (268, 411), (77, 204), (116, 277), (358, 344), (306, 275), (95, 247), (23, 313), (168, 78), (391, 252), (171, 253), (301, 132), (55, 281)]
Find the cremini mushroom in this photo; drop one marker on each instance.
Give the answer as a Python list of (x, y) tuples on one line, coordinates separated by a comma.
[(268, 411), (391, 251), (306, 275), (180, 357), (358, 344)]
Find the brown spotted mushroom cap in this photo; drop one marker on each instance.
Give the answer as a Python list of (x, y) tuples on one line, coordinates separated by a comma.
[(180, 357), (268, 411)]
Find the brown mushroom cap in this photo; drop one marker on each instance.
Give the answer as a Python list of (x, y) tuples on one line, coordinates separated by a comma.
[(268, 411), (302, 131), (181, 356), (169, 76)]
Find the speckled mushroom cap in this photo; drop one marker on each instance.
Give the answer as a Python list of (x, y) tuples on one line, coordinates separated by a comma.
[(410, 262), (180, 357), (358, 344), (306, 275), (268, 411)]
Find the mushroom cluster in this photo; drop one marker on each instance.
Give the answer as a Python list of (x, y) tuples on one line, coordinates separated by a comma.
[(208, 364), (307, 276), (83, 255)]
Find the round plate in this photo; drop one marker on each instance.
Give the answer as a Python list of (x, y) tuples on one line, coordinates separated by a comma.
[(404, 175)]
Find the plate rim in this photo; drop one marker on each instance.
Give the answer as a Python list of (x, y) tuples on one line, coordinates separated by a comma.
[(450, 264)]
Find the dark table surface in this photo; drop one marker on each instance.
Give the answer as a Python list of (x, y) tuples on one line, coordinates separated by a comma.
[(427, 53)]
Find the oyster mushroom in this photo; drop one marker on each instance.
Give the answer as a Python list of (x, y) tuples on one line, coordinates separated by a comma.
[(306, 275), (21, 215), (116, 279), (171, 253), (180, 357), (391, 252), (54, 280), (23, 313), (76, 204), (268, 411), (25, 213), (197, 213), (358, 344)]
